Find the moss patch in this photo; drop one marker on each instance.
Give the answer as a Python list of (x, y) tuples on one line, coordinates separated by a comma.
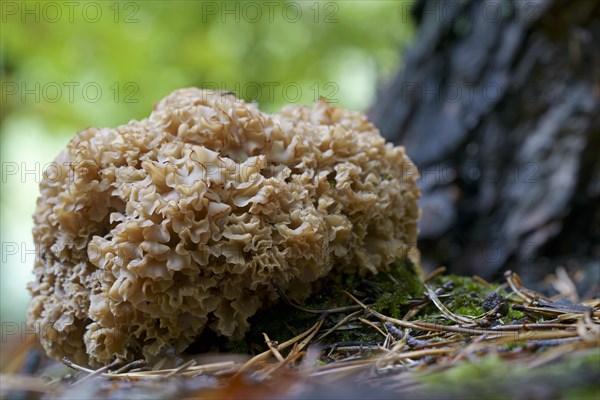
[(389, 291), (395, 287), (494, 378), (465, 297)]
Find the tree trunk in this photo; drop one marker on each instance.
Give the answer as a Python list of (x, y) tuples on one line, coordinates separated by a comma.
[(498, 104)]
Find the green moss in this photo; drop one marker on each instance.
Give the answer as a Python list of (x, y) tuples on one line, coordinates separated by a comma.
[(514, 345), (492, 377), (364, 335), (465, 298), (395, 287), (389, 291), (514, 315)]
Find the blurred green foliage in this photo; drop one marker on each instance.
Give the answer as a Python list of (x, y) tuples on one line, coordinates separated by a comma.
[(158, 46), (66, 66)]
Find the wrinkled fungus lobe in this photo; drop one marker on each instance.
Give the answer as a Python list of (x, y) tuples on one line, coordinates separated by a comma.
[(152, 232)]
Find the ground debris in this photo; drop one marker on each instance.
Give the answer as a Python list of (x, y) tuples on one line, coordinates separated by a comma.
[(495, 302), (533, 346)]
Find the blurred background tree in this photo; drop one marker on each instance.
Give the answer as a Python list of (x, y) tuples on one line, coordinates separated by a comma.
[(497, 103), (67, 66)]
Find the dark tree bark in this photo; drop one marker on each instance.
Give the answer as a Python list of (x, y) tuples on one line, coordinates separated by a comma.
[(498, 104)]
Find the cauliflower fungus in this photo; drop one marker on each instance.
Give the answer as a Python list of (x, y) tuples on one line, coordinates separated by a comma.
[(152, 232)]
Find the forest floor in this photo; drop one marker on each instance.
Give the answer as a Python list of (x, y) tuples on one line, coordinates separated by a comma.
[(392, 336)]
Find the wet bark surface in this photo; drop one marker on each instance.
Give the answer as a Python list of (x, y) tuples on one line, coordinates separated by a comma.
[(498, 104)]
